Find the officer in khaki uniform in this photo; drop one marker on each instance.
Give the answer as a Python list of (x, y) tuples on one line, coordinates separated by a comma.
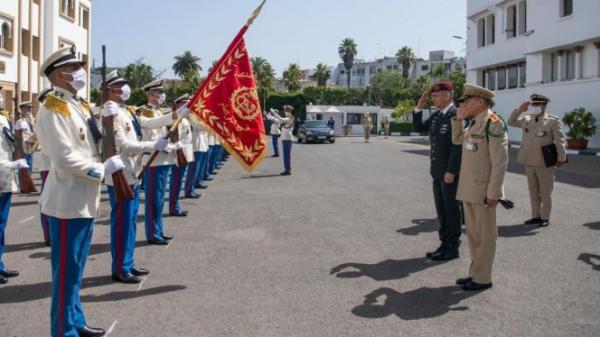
[(539, 129), (367, 125), (484, 163)]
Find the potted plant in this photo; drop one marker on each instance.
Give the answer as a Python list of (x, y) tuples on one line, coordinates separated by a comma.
[(582, 126)]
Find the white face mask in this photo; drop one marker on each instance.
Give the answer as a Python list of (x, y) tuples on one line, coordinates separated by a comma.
[(125, 92), (162, 98), (79, 79), (535, 110)]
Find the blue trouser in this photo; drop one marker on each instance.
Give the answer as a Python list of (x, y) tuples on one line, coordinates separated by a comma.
[(44, 217), (71, 240), (5, 199), (123, 219), (275, 140), (156, 183), (211, 160), (29, 160), (176, 179), (202, 169), (193, 174), (287, 155)]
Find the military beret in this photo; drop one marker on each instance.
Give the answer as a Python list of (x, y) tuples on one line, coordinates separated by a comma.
[(539, 99), (471, 90), (288, 108), (182, 98), (154, 85), (442, 86), (62, 57), (113, 78)]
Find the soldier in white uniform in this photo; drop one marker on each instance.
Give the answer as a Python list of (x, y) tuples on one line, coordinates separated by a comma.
[(24, 125), (71, 197), (287, 127), (156, 175), (275, 133), (8, 186), (184, 132), (127, 128)]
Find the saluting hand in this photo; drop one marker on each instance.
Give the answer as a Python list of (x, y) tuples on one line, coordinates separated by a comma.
[(460, 113), (422, 103), (524, 106)]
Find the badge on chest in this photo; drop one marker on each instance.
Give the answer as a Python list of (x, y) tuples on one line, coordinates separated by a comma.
[(541, 133), (470, 146)]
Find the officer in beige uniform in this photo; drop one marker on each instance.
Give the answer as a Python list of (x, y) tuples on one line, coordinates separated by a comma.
[(367, 125), (71, 197), (484, 163), (539, 129)]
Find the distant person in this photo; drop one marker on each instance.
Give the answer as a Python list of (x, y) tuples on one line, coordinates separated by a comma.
[(539, 129), (385, 124), (331, 123), (275, 133), (367, 126), (287, 126)]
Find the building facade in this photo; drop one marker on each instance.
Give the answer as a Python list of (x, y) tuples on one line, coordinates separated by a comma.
[(30, 30), (363, 72), (550, 47)]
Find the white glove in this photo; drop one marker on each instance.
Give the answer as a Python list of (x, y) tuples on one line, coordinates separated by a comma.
[(110, 109), (184, 111), (175, 147), (113, 164), (19, 164), (161, 144), (21, 124)]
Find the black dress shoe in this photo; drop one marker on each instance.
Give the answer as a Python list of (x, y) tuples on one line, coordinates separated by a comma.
[(202, 187), (285, 173), (128, 278), (158, 242), (445, 255), (464, 280), (9, 273), (140, 271), (437, 251), (193, 196), (167, 237), (3, 280), (181, 213), (87, 331), (544, 223), (474, 286), (209, 179), (47, 243), (275, 156), (533, 221)]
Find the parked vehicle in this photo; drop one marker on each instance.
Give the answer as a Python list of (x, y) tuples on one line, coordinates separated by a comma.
[(315, 131)]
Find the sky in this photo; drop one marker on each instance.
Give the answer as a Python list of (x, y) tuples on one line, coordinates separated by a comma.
[(287, 31)]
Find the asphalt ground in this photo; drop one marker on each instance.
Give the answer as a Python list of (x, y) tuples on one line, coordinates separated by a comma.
[(336, 249)]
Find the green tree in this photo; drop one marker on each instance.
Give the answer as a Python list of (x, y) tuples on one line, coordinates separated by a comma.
[(458, 79), (292, 76), (186, 63), (403, 109), (347, 50), (386, 87), (405, 57), (264, 74), (138, 73), (438, 72), (321, 75)]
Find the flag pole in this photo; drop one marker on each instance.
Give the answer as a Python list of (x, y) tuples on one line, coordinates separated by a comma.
[(173, 128)]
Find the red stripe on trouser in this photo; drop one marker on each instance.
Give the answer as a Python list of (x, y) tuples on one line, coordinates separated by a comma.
[(119, 237), (62, 272), (151, 203)]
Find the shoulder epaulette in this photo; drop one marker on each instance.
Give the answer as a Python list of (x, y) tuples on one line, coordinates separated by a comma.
[(146, 112), (553, 117), (86, 106), (57, 104), (132, 109)]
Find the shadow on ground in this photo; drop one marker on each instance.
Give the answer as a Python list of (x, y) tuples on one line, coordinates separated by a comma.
[(126, 295), (421, 226), (420, 303), (385, 270), (592, 259), (32, 292)]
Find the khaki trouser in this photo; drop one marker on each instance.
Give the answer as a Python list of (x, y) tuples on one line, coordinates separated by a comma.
[(541, 183), (367, 133), (482, 234)]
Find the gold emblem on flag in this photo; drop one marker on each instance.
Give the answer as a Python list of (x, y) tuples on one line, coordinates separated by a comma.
[(244, 101)]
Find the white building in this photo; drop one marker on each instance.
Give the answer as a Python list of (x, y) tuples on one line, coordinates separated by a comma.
[(30, 30), (363, 72), (347, 115), (550, 47)]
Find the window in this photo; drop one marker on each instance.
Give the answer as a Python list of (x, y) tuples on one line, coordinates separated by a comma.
[(516, 19), (84, 17), (491, 83), (2, 67), (36, 48), (6, 38), (67, 9), (425, 67), (566, 8), (481, 32), (372, 69), (513, 76), (25, 43), (522, 75), (490, 29), (353, 119), (569, 63), (511, 21), (553, 67), (522, 13), (501, 75), (484, 78)]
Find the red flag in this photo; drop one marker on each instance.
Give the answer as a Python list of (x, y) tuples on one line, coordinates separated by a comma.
[(228, 104)]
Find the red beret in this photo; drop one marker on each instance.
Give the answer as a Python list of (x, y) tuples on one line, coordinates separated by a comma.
[(442, 86)]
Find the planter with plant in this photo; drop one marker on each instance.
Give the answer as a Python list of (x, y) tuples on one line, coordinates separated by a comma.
[(582, 126)]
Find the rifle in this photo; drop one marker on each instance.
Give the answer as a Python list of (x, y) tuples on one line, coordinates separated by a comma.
[(122, 189), (174, 138), (172, 130), (26, 184)]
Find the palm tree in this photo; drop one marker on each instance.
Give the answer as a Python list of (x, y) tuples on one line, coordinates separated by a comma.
[(264, 75), (405, 57), (347, 51), (186, 63), (292, 76), (321, 75)]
